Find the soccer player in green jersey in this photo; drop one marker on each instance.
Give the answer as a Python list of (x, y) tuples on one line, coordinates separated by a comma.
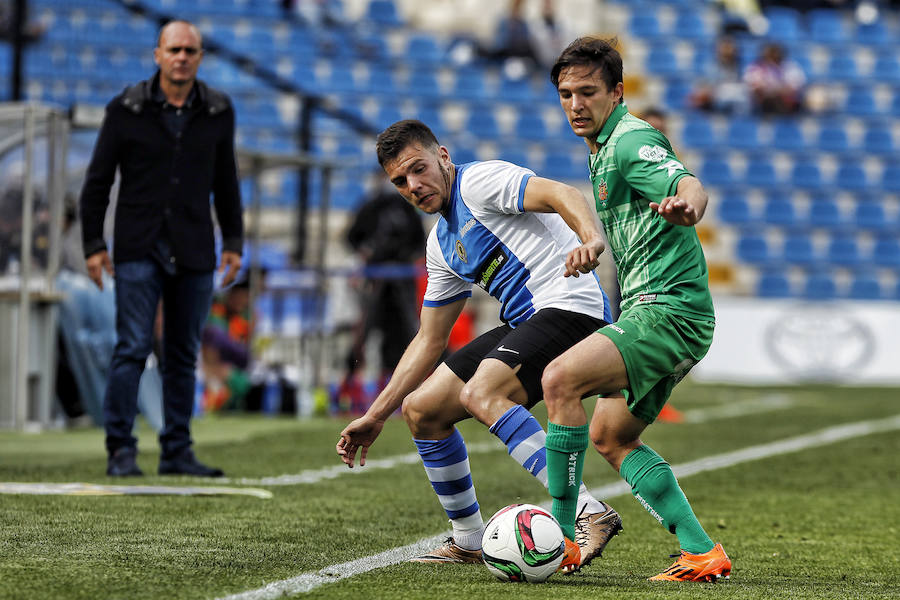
[(648, 203)]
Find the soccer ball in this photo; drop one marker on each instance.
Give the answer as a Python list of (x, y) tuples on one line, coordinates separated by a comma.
[(522, 542)]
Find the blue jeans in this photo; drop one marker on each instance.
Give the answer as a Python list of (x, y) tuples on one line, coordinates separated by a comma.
[(186, 298)]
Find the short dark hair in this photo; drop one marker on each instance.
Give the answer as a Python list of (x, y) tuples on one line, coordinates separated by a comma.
[(595, 52), (395, 138)]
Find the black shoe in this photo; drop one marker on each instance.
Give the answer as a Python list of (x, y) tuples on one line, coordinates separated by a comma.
[(121, 463), (187, 464)]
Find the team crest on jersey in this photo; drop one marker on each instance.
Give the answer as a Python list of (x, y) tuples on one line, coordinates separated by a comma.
[(653, 153), (461, 251), (602, 192)]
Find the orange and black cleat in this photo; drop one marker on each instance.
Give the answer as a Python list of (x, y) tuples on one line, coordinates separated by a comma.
[(709, 566)]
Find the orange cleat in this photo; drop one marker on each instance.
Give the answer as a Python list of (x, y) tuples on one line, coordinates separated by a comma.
[(571, 560), (709, 566)]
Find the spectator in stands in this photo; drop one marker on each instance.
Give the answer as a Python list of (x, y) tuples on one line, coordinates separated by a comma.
[(776, 83), (225, 349), (658, 118), (721, 87), (172, 139), (388, 237), (512, 43)]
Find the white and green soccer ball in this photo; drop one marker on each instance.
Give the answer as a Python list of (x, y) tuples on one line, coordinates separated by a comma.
[(523, 542)]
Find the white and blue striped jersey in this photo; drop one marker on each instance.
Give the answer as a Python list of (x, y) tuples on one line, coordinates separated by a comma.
[(487, 238)]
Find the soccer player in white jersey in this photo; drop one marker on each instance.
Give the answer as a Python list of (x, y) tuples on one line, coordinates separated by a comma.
[(516, 236)]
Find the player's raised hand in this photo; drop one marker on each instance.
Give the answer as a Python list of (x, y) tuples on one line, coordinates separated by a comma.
[(584, 258), (676, 211), (358, 435)]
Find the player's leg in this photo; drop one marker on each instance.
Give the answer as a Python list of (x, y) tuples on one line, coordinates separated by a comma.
[(508, 380), (592, 365), (658, 348), (430, 413)]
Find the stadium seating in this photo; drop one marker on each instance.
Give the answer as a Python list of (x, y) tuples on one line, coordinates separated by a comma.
[(865, 286), (773, 284), (819, 285)]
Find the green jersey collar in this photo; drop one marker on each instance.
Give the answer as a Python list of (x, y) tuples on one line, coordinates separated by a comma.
[(618, 112)]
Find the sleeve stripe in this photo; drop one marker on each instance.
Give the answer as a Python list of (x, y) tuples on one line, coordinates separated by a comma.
[(446, 301), (522, 184)]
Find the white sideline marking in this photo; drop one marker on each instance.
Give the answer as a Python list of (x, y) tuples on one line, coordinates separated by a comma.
[(317, 475), (738, 409), (699, 415), (309, 581)]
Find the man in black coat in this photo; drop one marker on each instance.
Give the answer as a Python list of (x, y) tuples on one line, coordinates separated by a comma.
[(172, 139)]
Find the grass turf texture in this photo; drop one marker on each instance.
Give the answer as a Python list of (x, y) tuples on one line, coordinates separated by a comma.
[(820, 523)]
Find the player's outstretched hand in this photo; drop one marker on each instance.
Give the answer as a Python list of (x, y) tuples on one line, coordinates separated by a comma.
[(676, 211), (584, 258), (358, 435)]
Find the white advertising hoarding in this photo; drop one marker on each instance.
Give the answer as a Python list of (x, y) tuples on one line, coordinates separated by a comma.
[(765, 342)]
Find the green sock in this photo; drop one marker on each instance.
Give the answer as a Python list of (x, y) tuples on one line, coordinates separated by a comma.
[(565, 461), (655, 487)]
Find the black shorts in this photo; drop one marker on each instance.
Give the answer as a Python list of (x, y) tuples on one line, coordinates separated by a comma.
[(533, 344)]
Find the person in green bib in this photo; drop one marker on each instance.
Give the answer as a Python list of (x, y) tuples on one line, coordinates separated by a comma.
[(648, 203)]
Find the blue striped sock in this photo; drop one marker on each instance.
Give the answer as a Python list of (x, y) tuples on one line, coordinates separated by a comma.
[(524, 438), (447, 466)]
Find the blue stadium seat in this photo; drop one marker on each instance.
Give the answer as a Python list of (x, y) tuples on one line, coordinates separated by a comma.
[(530, 126), (773, 284), (716, 171), (825, 212), (760, 172), (826, 26), (878, 139), (887, 68), (843, 251), (752, 248), (890, 178), (743, 133), (381, 80), (851, 176), (780, 211), (806, 174), (865, 286), (869, 214), (661, 60), (677, 92), (860, 101), (644, 23), (423, 83), (886, 252), (788, 135), (798, 249), (422, 48), (872, 34), (690, 25), (481, 122), (819, 285), (784, 24), (383, 13), (470, 84), (371, 47), (518, 90), (560, 165), (431, 115), (833, 137), (734, 209), (516, 156), (698, 132), (842, 66), (387, 115)]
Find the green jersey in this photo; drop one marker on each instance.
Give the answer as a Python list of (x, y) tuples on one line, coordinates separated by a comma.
[(657, 262)]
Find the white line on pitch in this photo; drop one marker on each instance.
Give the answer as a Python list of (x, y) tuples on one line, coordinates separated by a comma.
[(740, 408), (309, 581), (317, 475), (699, 415)]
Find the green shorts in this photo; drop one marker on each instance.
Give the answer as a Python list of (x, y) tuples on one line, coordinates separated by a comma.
[(659, 347)]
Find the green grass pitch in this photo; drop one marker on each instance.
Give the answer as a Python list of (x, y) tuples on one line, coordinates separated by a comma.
[(817, 523)]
